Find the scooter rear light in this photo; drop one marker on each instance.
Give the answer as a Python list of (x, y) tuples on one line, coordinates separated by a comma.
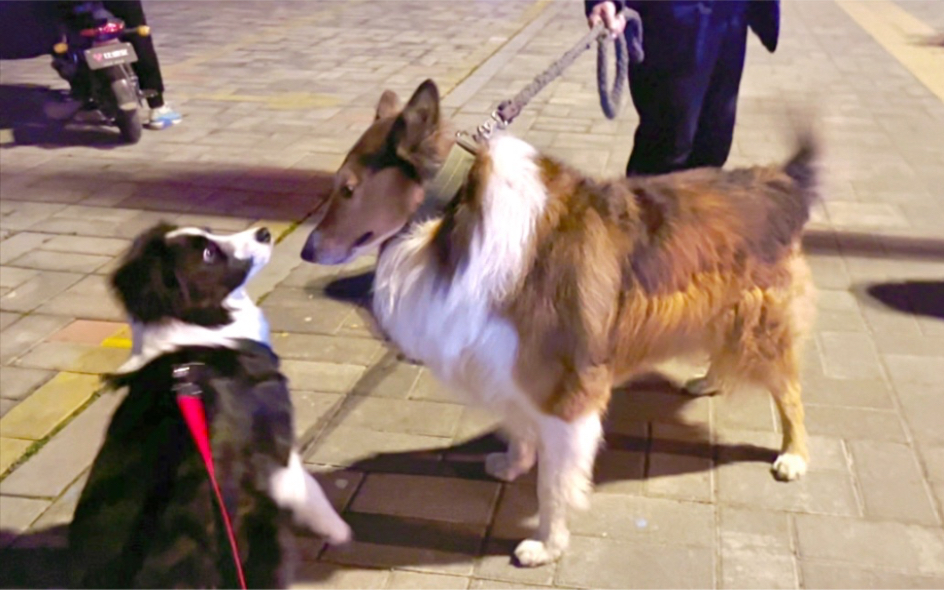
[(106, 29)]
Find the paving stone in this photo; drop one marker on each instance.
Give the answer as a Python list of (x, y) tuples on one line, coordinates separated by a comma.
[(390, 378), (12, 277), (401, 580), (915, 369), (90, 332), (11, 449), (36, 291), (891, 482), (311, 410), (902, 547), (65, 456), (746, 568), (5, 406), (61, 510), (920, 405), (26, 333), (752, 484), (650, 520), (475, 422), (74, 357), (19, 244), (679, 477), (496, 564), (431, 498), (327, 349), (62, 261), (89, 298), (407, 416), (324, 377), (327, 575), (338, 485), (746, 411), (634, 565), (761, 531), (7, 318), (344, 446), (429, 388), (486, 584), (854, 423), (375, 555), (109, 247), (826, 453), (18, 382), (322, 317), (838, 576), (866, 393), (620, 472), (849, 356), (39, 414), (16, 514)]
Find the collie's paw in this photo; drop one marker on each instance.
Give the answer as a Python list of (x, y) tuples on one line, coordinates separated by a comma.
[(502, 467), (532, 553), (788, 467), (701, 386)]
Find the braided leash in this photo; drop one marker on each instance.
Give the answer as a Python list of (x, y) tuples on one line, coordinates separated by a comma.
[(610, 98), (452, 174)]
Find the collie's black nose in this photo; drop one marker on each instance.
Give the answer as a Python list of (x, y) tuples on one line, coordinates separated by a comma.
[(263, 236)]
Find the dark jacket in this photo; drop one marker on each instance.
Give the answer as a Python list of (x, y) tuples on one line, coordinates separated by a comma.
[(674, 30)]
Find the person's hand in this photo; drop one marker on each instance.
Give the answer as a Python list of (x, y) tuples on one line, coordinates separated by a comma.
[(605, 12)]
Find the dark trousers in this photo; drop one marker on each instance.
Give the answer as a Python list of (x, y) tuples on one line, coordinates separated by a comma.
[(147, 68), (686, 115)]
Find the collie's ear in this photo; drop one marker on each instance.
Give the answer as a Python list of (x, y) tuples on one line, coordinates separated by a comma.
[(414, 130), (388, 106), (144, 282)]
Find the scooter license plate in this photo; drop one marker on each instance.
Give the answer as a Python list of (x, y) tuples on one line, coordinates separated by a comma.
[(112, 54)]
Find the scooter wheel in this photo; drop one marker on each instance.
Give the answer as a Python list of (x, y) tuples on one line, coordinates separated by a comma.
[(129, 123)]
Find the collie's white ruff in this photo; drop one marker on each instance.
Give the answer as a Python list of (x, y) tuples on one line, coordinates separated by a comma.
[(453, 328)]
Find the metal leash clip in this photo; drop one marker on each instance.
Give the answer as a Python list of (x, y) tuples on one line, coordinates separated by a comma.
[(185, 378)]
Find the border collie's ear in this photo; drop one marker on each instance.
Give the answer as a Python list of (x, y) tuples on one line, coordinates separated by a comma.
[(414, 130), (144, 282), (388, 106)]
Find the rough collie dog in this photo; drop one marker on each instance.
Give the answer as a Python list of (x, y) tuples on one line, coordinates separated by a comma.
[(538, 288), (148, 516)]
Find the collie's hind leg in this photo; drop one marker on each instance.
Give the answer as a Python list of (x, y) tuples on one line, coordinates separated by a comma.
[(794, 455), (566, 453)]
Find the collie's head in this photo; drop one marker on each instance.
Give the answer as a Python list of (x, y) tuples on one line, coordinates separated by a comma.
[(380, 184), (188, 274)]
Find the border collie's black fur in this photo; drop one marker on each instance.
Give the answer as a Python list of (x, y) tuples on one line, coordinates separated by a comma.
[(148, 516)]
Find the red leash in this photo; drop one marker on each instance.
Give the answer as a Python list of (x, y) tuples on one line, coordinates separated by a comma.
[(190, 402)]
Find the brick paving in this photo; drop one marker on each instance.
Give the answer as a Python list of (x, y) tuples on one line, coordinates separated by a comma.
[(274, 94)]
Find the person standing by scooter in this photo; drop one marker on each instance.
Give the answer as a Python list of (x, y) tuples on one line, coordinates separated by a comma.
[(147, 68)]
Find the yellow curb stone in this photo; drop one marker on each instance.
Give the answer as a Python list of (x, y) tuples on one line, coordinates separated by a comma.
[(120, 339), (11, 449), (37, 416)]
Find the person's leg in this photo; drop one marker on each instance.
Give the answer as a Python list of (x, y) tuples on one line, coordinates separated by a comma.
[(147, 68), (715, 130), (668, 107)]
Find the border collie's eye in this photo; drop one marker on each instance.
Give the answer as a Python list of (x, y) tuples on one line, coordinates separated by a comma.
[(209, 255), (347, 191)]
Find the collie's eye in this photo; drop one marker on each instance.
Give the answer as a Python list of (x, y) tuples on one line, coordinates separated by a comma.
[(209, 254), (347, 191)]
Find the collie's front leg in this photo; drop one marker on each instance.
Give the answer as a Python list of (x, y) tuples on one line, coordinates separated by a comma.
[(565, 469)]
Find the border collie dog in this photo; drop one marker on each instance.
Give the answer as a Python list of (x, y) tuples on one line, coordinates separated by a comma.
[(148, 516), (538, 288)]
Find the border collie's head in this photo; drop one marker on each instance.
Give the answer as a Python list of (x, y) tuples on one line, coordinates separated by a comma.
[(188, 273)]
